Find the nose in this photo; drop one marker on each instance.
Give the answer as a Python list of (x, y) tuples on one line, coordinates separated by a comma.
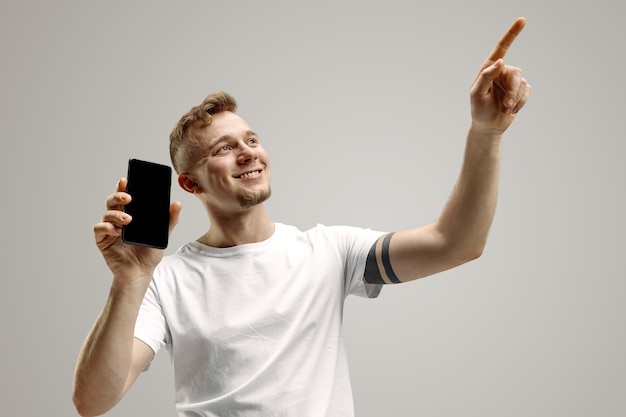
[(246, 154)]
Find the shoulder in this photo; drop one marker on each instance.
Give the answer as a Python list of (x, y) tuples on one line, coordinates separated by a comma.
[(343, 237)]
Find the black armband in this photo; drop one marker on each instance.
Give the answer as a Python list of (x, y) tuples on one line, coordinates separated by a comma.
[(378, 268)]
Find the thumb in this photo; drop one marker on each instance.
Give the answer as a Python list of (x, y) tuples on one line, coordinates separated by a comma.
[(487, 75), (175, 209)]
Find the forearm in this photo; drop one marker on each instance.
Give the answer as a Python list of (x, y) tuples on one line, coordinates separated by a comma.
[(102, 371), (467, 217), (497, 94)]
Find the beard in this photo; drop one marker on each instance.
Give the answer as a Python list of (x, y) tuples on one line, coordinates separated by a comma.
[(248, 199)]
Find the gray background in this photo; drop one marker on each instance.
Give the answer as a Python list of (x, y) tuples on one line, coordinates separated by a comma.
[(363, 107)]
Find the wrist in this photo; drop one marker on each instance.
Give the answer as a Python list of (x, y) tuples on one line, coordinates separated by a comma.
[(129, 283), (485, 141), (485, 133)]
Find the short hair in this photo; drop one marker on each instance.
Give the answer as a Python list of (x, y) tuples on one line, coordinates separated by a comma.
[(184, 148)]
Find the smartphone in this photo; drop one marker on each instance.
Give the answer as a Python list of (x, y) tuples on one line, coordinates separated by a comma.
[(149, 185)]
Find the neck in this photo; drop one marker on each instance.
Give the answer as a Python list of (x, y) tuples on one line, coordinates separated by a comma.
[(249, 226)]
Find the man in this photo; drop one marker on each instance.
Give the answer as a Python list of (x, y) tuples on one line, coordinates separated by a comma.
[(251, 311)]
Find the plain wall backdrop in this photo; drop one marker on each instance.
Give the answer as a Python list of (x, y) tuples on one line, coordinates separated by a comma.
[(363, 107)]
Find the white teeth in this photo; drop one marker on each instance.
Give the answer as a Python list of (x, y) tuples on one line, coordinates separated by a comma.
[(250, 174)]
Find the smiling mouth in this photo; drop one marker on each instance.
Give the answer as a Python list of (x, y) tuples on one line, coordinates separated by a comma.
[(250, 174)]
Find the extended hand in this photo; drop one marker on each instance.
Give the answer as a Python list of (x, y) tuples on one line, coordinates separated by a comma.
[(126, 260), (499, 91)]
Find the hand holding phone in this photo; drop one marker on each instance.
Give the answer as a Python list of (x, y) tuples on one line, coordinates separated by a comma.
[(149, 186)]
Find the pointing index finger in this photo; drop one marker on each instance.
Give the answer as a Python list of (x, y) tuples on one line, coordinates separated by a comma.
[(500, 50)]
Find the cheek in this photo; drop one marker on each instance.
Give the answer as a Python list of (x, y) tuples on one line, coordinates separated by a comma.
[(263, 156), (216, 176), (219, 168)]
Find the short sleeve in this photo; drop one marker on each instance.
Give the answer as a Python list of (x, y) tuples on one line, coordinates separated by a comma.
[(354, 245), (151, 326)]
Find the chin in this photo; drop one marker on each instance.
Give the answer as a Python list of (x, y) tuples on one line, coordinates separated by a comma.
[(249, 199)]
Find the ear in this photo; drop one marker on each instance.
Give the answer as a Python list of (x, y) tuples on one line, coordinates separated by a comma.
[(188, 184)]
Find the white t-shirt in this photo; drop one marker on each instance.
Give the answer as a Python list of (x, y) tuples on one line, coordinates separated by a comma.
[(255, 329)]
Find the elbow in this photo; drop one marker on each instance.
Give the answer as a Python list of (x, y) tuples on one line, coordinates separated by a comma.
[(460, 246), (475, 251), (478, 248), (86, 407), (82, 408), (467, 253)]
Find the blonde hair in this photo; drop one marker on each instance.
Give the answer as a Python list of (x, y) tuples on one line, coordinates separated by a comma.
[(184, 148)]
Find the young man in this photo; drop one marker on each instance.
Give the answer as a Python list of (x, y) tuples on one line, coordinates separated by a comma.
[(251, 311)]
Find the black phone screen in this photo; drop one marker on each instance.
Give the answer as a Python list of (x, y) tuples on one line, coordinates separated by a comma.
[(149, 186)]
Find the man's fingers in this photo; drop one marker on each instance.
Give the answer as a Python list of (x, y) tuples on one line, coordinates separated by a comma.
[(104, 230), (116, 217), (500, 50), (513, 84), (521, 89), (121, 184), (524, 97), (483, 83), (119, 198), (175, 209), (117, 201)]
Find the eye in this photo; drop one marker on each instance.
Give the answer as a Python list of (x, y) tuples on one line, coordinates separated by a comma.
[(223, 149), (253, 141)]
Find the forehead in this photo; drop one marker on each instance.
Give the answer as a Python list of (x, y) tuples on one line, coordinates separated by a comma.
[(224, 124)]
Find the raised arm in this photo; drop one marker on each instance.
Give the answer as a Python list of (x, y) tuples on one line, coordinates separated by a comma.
[(111, 358), (459, 235)]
